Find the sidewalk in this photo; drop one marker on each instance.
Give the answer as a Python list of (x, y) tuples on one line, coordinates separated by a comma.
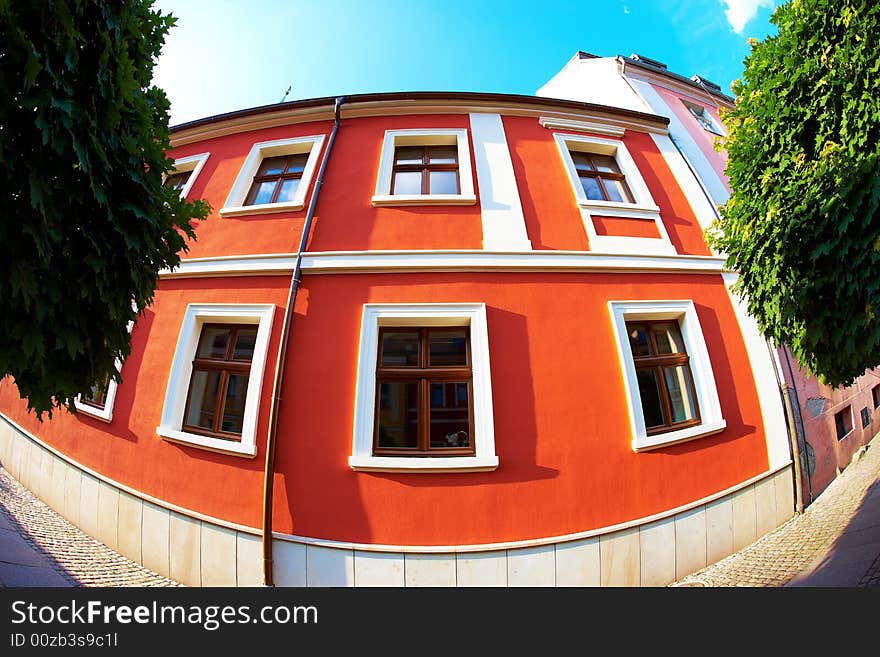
[(835, 542)]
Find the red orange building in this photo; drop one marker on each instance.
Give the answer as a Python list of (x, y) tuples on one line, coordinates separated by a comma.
[(508, 358)]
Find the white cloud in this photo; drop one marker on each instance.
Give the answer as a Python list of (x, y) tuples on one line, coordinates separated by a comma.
[(740, 12)]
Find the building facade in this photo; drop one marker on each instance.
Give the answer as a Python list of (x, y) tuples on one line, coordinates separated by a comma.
[(830, 426), (508, 357)]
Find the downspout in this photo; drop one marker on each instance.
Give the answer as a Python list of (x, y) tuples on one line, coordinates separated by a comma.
[(797, 404), (268, 480)]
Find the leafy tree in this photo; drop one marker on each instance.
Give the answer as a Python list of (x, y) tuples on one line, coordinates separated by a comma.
[(85, 222), (801, 225)]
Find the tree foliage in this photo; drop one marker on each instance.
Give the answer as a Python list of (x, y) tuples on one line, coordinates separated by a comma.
[(801, 225), (85, 222)]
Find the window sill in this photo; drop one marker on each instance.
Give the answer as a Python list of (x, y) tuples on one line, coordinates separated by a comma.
[(423, 199), (615, 209), (206, 442), (105, 414), (423, 463), (265, 208), (645, 443)]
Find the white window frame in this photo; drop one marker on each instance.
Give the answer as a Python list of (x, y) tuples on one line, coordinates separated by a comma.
[(684, 312), (174, 406), (694, 108), (643, 206), (234, 205), (425, 137), (192, 163), (423, 314), (104, 414)]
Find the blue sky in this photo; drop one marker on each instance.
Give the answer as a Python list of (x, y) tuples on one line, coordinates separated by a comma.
[(225, 55)]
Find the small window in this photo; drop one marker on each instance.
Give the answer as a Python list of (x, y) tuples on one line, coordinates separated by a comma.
[(843, 422), (186, 170), (703, 118), (219, 382), (424, 383), (277, 179), (875, 393), (425, 170), (866, 417), (178, 181), (663, 372), (97, 395), (601, 177)]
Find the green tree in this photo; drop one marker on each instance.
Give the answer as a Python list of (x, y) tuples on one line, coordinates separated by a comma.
[(85, 222), (801, 225)]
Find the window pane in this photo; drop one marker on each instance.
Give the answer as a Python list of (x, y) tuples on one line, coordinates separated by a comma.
[(638, 340), (261, 193), (213, 343), (288, 190), (296, 163), (605, 163), (398, 415), (233, 403), (244, 344), (650, 395), (581, 161), (448, 347), (616, 191), (97, 395), (272, 166), (407, 182), (678, 383), (443, 182), (591, 188), (400, 348), (409, 154), (178, 180), (203, 398), (450, 415), (442, 154), (668, 338)]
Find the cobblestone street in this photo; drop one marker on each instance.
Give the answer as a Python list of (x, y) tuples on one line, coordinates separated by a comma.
[(61, 554)]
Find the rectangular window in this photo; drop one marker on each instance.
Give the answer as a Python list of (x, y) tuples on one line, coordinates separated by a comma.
[(663, 372), (600, 177), (875, 393), (843, 422), (866, 417), (277, 179), (218, 386), (425, 170), (703, 118), (178, 181), (424, 384), (97, 395)]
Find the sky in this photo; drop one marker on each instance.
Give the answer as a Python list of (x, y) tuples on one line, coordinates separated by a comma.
[(226, 55)]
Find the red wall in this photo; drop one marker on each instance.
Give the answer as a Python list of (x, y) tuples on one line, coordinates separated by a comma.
[(561, 426), (128, 449)]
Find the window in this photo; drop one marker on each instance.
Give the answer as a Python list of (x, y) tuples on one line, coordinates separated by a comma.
[(219, 381), (425, 167), (875, 393), (213, 392), (666, 387), (866, 417), (843, 422), (425, 170), (424, 382), (667, 375), (703, 117), (97, 394), (607, 184), (600, 177), (186, 171), (98, 402), (275, 177), (423, 399)]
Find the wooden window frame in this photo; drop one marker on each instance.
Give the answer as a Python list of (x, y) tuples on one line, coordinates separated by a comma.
[(225, 366), (617, 176), (278, 178), (656, 362), (425, 167), (104, 390), (425, 374)]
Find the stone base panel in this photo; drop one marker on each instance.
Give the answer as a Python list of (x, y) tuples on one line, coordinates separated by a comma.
[(197, 552)]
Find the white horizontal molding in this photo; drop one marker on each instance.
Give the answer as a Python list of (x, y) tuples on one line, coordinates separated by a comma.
[(423, 464), (423, 199), (679, 436), (625, 210), (581, 126), (230, 447), (452, 260), (267, 208)]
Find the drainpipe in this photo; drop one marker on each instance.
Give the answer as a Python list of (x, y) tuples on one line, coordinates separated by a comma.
[(802, 435), (268, 480)]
